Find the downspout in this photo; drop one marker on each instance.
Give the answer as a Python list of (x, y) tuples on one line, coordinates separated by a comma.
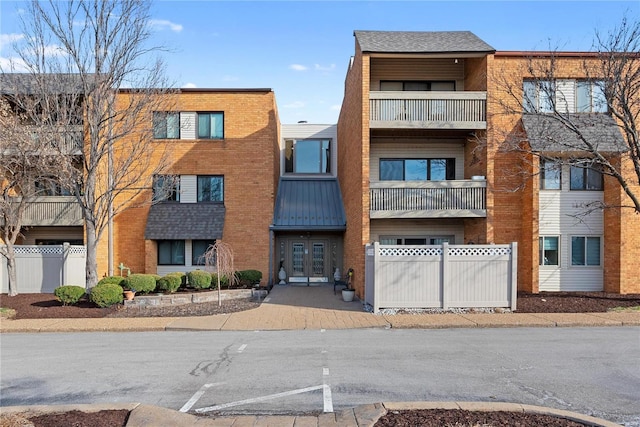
[(110, 207)]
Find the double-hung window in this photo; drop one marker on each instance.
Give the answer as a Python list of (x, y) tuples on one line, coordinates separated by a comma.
[(166, 125), (538, 96), (166, 188), (585, 250), (198, 249), (309, 156), (590, 97), (417, 169), (585, 177), (211, 125), (550, 174), (171, 252), (548, 250), (210, 188)]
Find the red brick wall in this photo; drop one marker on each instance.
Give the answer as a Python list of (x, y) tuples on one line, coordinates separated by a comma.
[(247, 157)]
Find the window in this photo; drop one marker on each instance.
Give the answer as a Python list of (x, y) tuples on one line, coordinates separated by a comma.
[(429, 240), (308, 156), (548, 250), (166, 125), (171, 252), (166, 188), (590, 97), (210, 188), (418, 85), (585, 250), (417, 169), (550, 174), (211, 125), (538, 96), (585, 177), (46, 186), (198, 249)]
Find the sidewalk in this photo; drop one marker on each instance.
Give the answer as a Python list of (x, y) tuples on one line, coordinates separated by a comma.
[(295, 308)]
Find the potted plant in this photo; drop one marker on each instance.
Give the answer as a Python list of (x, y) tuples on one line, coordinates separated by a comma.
[(129, 294), (349, 293)]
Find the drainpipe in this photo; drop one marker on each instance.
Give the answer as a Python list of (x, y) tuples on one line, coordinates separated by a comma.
[(110, 208)]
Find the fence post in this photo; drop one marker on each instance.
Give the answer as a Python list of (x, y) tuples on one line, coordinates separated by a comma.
[(445, 275), (65, 263), (376, 263), (513, 279)]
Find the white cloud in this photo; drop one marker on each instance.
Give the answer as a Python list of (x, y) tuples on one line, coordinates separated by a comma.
[(189, 85), (54, 50), (319, 67), (296, 104), (298, 67), (162, 24), (13, 65), (7, 39)]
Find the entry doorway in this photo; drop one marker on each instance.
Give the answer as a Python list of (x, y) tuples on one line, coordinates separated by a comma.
[(310, 259)]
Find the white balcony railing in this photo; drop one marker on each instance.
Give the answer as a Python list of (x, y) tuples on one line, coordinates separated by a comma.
[(428, 199), (428, 110)]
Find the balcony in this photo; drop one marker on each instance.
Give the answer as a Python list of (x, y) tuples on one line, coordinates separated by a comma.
[(53, 210), (428, 110), (428, 199)]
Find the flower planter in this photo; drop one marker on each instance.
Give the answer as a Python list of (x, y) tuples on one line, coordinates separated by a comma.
[(348, 294), (128, 295)]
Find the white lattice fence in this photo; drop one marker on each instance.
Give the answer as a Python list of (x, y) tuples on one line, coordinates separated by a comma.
[(41, 269), (442, 276)]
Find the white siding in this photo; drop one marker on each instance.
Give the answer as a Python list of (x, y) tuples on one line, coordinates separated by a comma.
[(188, 125), (188, 189), (416, 228), (310, 131), (415, 151), (565, 96), (562, 213)]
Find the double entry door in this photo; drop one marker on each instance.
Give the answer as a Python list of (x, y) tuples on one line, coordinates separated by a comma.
[(306, 259)]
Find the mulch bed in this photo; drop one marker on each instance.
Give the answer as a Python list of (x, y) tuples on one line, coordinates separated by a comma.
[(460, 418), (45, 306)]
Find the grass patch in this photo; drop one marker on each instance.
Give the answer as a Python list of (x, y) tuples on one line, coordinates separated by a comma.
[(7, 313), (625, 309)]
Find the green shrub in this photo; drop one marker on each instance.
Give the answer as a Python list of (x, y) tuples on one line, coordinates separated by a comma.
[(199, 279), (181, 275), (142, 283), (169, 283), (69, 294), (106, 294), (248, 278), (224, 281), (116, 280)]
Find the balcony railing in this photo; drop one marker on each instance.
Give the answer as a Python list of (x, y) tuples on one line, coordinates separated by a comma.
[(53, 210), (428, 110), (428, 199)]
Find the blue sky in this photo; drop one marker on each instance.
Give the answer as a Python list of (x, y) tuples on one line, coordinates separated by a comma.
[(301, 49)]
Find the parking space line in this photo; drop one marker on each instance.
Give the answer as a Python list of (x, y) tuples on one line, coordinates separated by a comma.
[(259, 399), (241, 348), (197, 395), (326, 392)]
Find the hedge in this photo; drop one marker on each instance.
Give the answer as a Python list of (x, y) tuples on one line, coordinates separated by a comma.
[(199, 279), (169, 283), (106, 294), (142, 283), (69, 294)]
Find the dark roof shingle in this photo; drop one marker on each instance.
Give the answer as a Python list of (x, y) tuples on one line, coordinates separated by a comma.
[(185, 221), (421, 42), (546, 133)]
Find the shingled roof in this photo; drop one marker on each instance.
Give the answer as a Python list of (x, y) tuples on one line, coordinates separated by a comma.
[(185, 221), (546, 133), (421, 42), (28, 84)]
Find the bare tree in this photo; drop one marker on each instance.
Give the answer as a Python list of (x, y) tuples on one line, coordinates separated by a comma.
[(106, 46), (594, 130), (219, 259), (29, 167)]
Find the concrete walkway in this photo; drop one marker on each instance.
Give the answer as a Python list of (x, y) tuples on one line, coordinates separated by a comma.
[(316, 307), (301, 307)]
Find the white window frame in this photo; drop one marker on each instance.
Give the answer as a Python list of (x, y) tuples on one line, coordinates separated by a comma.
[(586, 239), (541, 240)]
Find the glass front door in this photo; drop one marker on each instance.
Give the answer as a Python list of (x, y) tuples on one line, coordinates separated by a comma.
[(308, 261)]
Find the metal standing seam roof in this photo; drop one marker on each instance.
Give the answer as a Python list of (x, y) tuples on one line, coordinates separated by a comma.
[(421, 42), (185, 221), (309, 204), (546, 133)]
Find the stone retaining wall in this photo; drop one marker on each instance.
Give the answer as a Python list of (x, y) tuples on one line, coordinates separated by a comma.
[(159, 300)]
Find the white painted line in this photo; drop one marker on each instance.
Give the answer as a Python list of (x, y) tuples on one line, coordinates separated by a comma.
[(259, 399), (242, 347), (198, 394), (267, 299), (325, 372), (328, 401), (323, 330)]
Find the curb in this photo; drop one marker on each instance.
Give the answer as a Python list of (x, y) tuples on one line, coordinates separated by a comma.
[(361, 416)]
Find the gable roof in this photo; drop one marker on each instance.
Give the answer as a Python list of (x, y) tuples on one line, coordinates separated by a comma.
[(309, 204), (547, 133), (421, 42)]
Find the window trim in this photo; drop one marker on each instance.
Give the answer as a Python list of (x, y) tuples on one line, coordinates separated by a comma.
[(198, 177), (541, 239), (209, 113), (450, 168), (586, 238)]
